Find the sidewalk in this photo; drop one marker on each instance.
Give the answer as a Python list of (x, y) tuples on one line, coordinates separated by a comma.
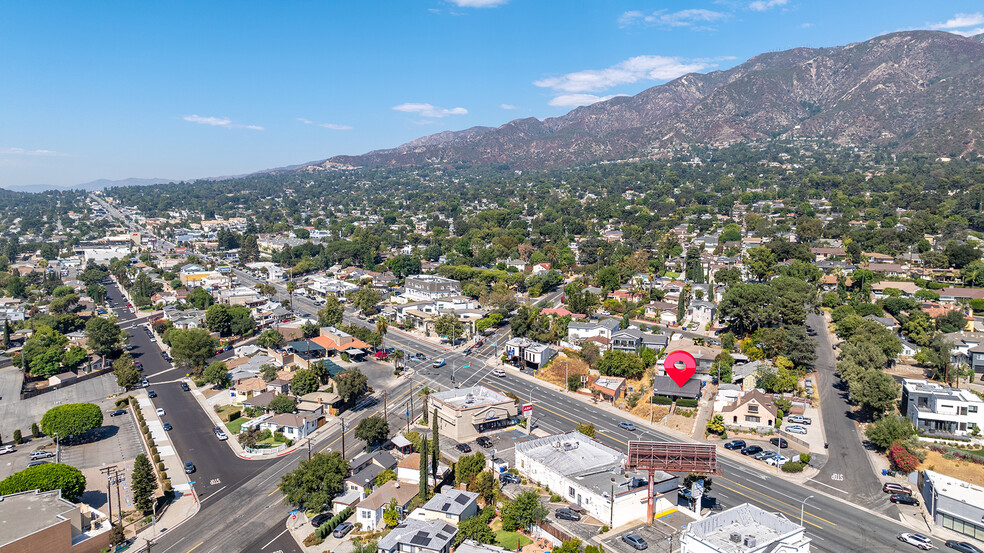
[(185, 504)]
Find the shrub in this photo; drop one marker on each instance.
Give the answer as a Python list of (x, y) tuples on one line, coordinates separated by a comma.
[(902, 459), (160, 467), (604, 529), (17, 437), (35, 431), (792, 466), (157, 457), (661, 400), (686, 402), (166, 485), (554, 498), (313, 539), (805, 458)]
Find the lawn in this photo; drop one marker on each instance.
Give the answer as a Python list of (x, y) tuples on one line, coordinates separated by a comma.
[(511, 540), (235, 426), (225, 410)]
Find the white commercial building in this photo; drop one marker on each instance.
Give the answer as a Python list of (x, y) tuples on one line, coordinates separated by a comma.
[(744, 529), (430, 287), (592, 475), (938, 409)]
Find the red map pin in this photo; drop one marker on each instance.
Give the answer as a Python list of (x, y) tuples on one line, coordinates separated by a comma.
[(680, 375)]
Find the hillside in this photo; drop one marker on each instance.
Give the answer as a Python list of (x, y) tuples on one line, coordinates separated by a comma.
[(906, 90)]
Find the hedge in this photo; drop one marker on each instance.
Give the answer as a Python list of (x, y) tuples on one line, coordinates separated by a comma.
[(792, 466), (661, 400), (326, 528), (686, 402)]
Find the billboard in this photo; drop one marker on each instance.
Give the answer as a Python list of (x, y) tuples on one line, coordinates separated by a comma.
[(671, 456)]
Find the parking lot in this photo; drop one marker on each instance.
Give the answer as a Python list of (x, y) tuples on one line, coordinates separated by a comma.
[(657, 539), (117, 441)]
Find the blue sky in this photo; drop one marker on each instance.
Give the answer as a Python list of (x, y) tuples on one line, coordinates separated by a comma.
[(102, 89)]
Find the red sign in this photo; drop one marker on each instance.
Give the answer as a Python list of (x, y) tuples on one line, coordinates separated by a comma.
[(680, 375), (527, 409)]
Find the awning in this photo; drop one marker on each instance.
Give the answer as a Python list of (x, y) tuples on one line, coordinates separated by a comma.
[(355, 351)]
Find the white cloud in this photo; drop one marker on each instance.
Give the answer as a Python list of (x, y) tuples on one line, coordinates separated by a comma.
[(429, 110), (805, 25), (657, 68), (507, 106), (332, 126), (575, 100), (219, 122), (762, 5), (969, 32), (960, 21), (478, 3), (24, 152), (664, 18)]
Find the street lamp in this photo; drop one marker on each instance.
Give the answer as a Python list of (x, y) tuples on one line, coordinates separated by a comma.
[(802, 506), (611, 510)]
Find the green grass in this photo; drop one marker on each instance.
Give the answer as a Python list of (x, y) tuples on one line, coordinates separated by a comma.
[(511, 540), (235, 426)]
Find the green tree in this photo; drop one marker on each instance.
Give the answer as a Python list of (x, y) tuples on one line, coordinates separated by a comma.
[(486, 485), (282, 403), (620, 363), (572, 545), (435, 452), (364, 299), (315, 482), (46, 477), (468, 467), (761, 262), (372, 430), (350, 385), (423, 469), (874, 390), (524, 511), (475, 528), (217, 373), (304, 382), (218, 319), (143, 483), (888, 430), (391, 514), (448, 325), (268, 371), (106, 338), (74, 358), (71, 419), (200, 298), (192, 347), (126, 372), (270, 338), (97, 292), (332, 313), (587, 429), (43, 352)]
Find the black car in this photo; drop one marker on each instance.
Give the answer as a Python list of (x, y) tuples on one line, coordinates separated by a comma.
[(318, 520), (636, 541), (118, 412), (342, 529), (963, 547), (751, 450), (508, 478), (780, 442), (735, 444), (151, 394), (185, 387), (189, 467), (904, 499), (464, 448), (567, 514), (484, 441)]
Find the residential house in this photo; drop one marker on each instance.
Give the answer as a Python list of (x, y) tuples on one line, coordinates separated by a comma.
[(662, 311), (430, 287), (245, 389), (293, 426), (366, 467), (531, 353), (419, 536), (937, 409), (754, 410), (701, 313), (611, 388), (408, 470), (369, 511), (580, 331), (632, 340), (665, 386), (261, 400), (907, 289), (452, 505)]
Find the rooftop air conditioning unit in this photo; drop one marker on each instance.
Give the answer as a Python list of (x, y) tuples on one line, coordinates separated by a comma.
[(750, 541), (736, 537)]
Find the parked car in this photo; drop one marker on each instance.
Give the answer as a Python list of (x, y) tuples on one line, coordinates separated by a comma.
[(439, 363), (780, 442), (118, 412), (963, 547), (185, 387), (318, 520), (167, 427), (219, 433), (6, 449), (144, 383), (903, 498), (189, 467), (509, 478), (420, 357), (777, 460), (751, 450), (763, 455), (735, 444), (484, 441), (796, 429), (626, 426), (567, 514), (892, 487), (36, 463), (918, 540), (499, 373), (464, 448), (160, 412), (342, 529), (799, 419), (138, 365), (151, 394), (636, 541)]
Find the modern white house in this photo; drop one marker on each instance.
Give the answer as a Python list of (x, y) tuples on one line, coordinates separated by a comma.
[(938, 409), (592, 475), (529, 352), (430, 287), (292, 425), (744, 529), (954, 504), (592, 329)]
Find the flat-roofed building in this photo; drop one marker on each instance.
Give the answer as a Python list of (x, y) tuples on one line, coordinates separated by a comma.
[(744, 529), (465, 413), (430, 287), (42, 521), (954, 504)]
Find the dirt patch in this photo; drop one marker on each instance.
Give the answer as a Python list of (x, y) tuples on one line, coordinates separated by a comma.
[(561, 367), (956, 468), (680, 423), (642, 410), (210, 392), (906, 370)]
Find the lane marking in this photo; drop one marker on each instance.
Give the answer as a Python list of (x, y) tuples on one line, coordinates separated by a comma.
[(774, 499), (829, 486), (274, 539), (196, 547), (791, 515)]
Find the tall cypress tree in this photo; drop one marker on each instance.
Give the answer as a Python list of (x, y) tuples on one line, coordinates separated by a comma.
[(142, 483), (435, 445), (681, 308), (423, 469)]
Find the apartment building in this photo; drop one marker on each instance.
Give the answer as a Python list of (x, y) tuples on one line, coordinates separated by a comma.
[(938, 409)]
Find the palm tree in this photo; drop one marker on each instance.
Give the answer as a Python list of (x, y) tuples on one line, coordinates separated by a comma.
[(425, 393), (397, 357), (382, 326)]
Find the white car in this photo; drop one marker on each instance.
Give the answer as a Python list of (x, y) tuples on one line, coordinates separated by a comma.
[(160, 412), (499, 372), (796, 429), (6, 449), (777, 460), (918, 540)]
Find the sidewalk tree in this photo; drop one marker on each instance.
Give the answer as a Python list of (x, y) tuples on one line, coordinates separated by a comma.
[(270, 338), (332, 313), (372, 430), (282, 403), (382, 326), (216, 373), (192, 348), (304, 382), (350, 385), (448, 325), (248, 437), (422, 484), (888, 430), (71, 419), (315, 482), (43, 352), (435, 445), (97, 292), (46, 477), (126, 372), (587, 429), (143, 484), (364, 299)]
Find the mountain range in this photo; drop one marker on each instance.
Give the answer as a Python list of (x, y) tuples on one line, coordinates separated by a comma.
[(88, 186), (907, 90)]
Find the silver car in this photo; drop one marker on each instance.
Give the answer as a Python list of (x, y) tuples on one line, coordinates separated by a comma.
[(795, 429)]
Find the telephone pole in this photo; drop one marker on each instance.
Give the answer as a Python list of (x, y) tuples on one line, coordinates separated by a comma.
[(109, 490), (343, 438), (385, 415), (309, 447)]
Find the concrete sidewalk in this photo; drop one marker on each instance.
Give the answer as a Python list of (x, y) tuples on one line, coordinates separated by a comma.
[(185, 504)]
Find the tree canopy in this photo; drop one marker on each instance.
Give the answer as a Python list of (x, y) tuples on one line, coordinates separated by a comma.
[(71, 419)]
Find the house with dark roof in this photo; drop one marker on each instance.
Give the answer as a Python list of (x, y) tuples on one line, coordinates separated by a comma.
[(632, 339), (665, 386), (419, 536), (452, 506)]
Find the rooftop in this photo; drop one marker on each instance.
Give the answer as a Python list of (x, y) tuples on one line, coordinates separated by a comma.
[(25, 513), (423, 534), (728, 530), (939, 390), (451, 502), (471, 397), (957, 490)]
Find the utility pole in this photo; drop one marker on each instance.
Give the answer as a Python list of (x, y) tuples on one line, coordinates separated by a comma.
[(118, 477), (309, 448), (385, 414), (343, 438), (109, 490)]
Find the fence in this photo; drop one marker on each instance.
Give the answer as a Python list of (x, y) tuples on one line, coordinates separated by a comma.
[(554, 531), (26, 393), (265, 450)]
